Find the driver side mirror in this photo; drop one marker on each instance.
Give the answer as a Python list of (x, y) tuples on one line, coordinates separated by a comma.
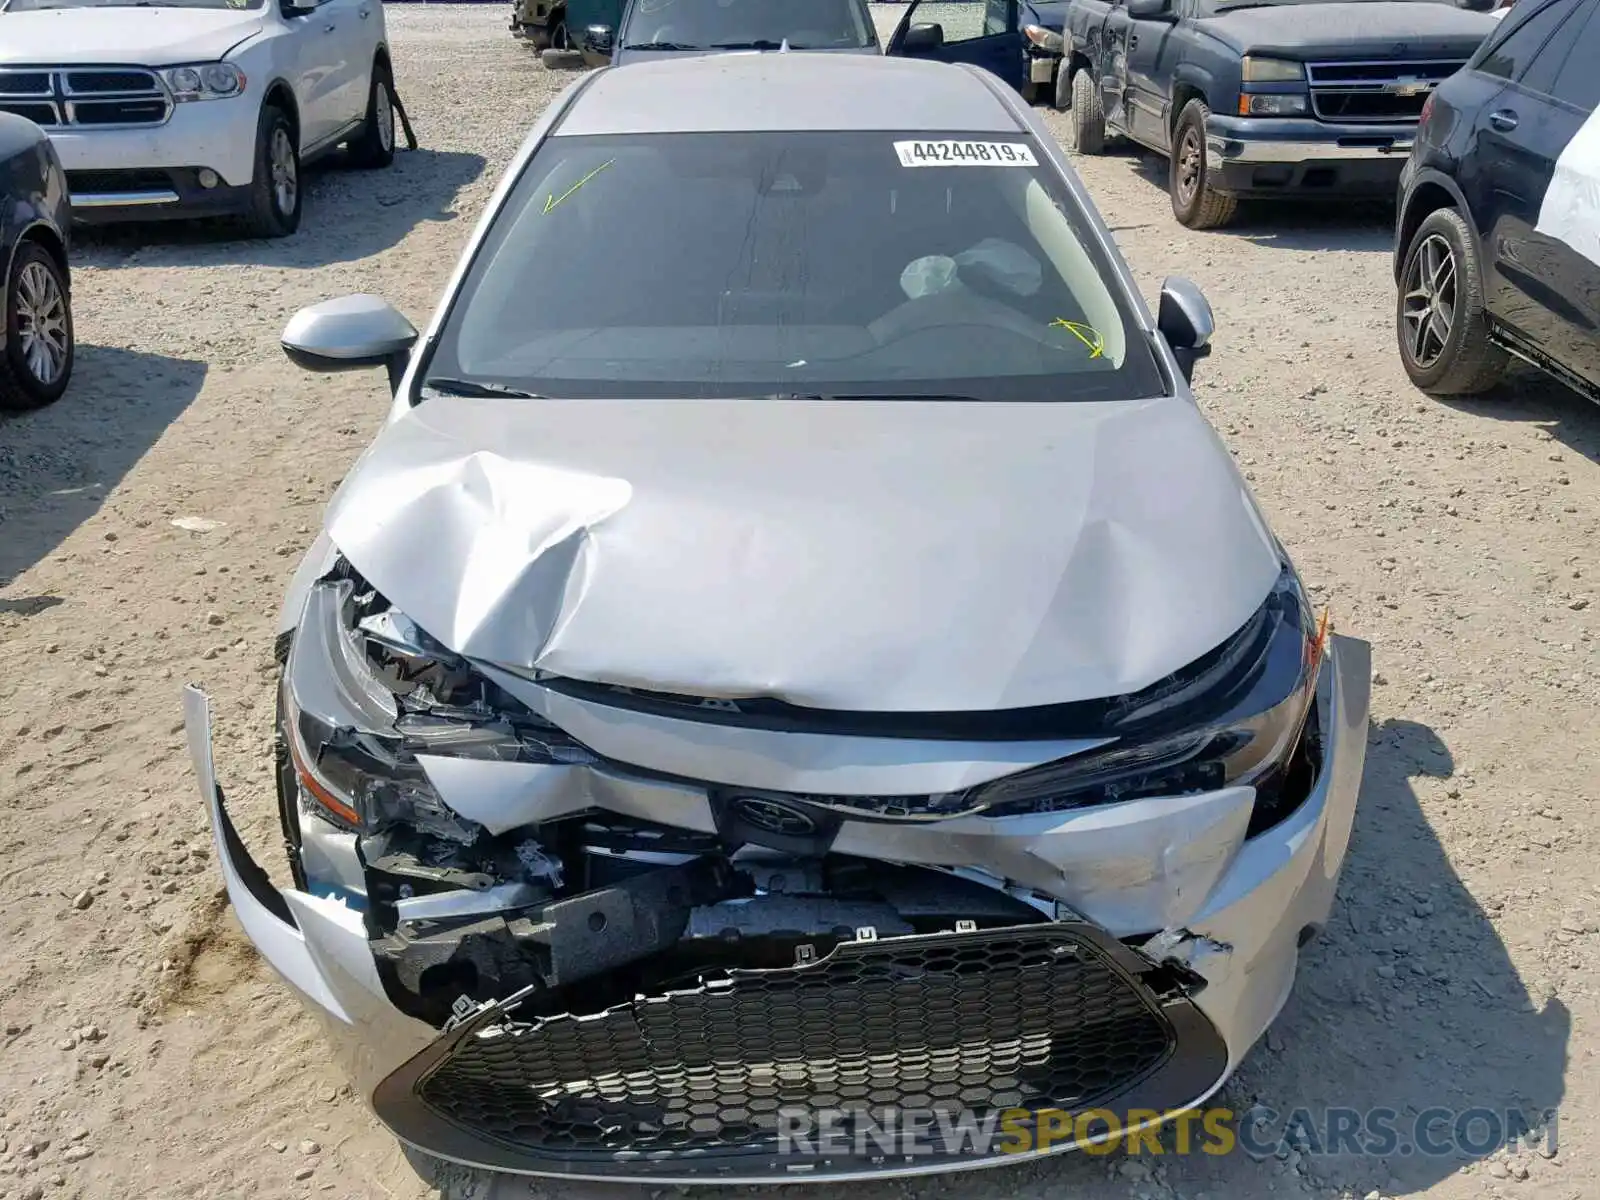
[(599, 40), (349, 334), (923, 39), (1186, 321), (1150, 10)]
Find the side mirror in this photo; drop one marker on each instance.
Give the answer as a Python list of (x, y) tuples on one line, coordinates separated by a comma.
[(349, 334), (599, 39), (1185, 320), (923, 39), (1149, 10)]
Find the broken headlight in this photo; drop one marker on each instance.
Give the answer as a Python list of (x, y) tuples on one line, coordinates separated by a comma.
[(1234, 718), (365, 692)]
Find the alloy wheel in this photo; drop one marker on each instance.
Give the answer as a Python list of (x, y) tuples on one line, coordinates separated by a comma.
[(383, 109), (1190, 163), (1429, 309), (285, 173), (42, 323)]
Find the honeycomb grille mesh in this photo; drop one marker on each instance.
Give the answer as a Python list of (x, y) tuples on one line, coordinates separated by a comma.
[(969, 1022)]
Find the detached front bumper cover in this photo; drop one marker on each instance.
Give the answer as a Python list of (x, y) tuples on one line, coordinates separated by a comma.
[(684, 1084)]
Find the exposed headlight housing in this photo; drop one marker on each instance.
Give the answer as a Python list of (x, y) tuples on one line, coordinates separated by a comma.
[(364, 693), (1272, 104), (1235, 718), (204, 81), (1271, 70)]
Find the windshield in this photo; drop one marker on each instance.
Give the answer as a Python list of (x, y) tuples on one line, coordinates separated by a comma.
[(747, 24), (743, 264), (40, 5)]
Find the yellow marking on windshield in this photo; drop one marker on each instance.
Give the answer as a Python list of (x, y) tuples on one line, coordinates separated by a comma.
[(551, 200), (1087, 334)]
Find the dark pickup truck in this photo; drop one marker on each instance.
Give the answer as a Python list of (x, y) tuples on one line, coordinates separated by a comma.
[(1291, 98)]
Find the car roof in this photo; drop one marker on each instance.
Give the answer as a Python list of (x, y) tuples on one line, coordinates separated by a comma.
[(735, 93)]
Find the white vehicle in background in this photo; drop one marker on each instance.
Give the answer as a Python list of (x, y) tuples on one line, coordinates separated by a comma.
[(183, 108)]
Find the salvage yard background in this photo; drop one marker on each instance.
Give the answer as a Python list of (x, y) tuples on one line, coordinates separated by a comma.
[(145, 1052)]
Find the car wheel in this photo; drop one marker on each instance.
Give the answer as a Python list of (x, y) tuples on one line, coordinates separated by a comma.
[(1088, 117), (37, 364), (1440, 318), (374, 145), (1194, 202), (275, 194), (1064, 86)]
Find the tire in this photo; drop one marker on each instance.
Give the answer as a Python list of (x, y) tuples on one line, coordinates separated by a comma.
[(373, 147), (1088, 117), (1441, 284), (560, 36), (1194, 202), (1064, 86), (37, 364), (275, 200)]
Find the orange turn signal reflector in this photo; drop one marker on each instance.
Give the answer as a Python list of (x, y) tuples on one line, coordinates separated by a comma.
[(319, 792), (1318, 645)]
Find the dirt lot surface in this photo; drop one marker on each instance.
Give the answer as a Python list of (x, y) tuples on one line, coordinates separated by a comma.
[(146, 1052)]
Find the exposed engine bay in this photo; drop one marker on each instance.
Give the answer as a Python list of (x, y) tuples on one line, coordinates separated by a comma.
[(589, 909), (584, 910)]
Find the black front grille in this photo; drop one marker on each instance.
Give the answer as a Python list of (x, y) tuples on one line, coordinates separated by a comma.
[(119, 112), (85, 183), (85, 83), (1027, 1017), (97, 97), (25, 83), (1375, 91), (39, 114)]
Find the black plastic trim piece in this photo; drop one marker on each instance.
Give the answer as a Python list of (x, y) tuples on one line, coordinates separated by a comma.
[(1195, 1063)]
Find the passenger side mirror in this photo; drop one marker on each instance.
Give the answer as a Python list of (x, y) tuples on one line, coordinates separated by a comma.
[(923, 39), (1186, 321), (348, 334), (1150, 10), (598, 40)]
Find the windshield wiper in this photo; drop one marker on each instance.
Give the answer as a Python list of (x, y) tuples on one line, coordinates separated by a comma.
[(476, 390), (763, 44), (661, 46)]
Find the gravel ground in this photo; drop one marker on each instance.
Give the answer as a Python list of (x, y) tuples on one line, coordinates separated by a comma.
[(146, 1052)]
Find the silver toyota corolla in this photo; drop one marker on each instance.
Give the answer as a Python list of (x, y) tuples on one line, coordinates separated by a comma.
[(795, 659)]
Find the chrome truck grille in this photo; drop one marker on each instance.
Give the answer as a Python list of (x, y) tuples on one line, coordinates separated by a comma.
[(702, 1080), (85, 97), (1375, 91)]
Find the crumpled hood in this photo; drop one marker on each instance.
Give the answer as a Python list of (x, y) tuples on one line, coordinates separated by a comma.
[(151, 37), (1408, 30), (851, 555)]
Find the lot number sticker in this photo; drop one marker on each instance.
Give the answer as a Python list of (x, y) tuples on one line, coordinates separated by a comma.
[(964, 154)]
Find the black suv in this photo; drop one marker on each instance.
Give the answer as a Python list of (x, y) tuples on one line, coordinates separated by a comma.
[(1497, 249)]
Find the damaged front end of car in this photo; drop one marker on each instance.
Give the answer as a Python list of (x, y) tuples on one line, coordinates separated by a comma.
[(563, 928)]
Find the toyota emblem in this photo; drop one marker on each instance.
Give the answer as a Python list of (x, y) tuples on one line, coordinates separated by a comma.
[(774, 816)]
